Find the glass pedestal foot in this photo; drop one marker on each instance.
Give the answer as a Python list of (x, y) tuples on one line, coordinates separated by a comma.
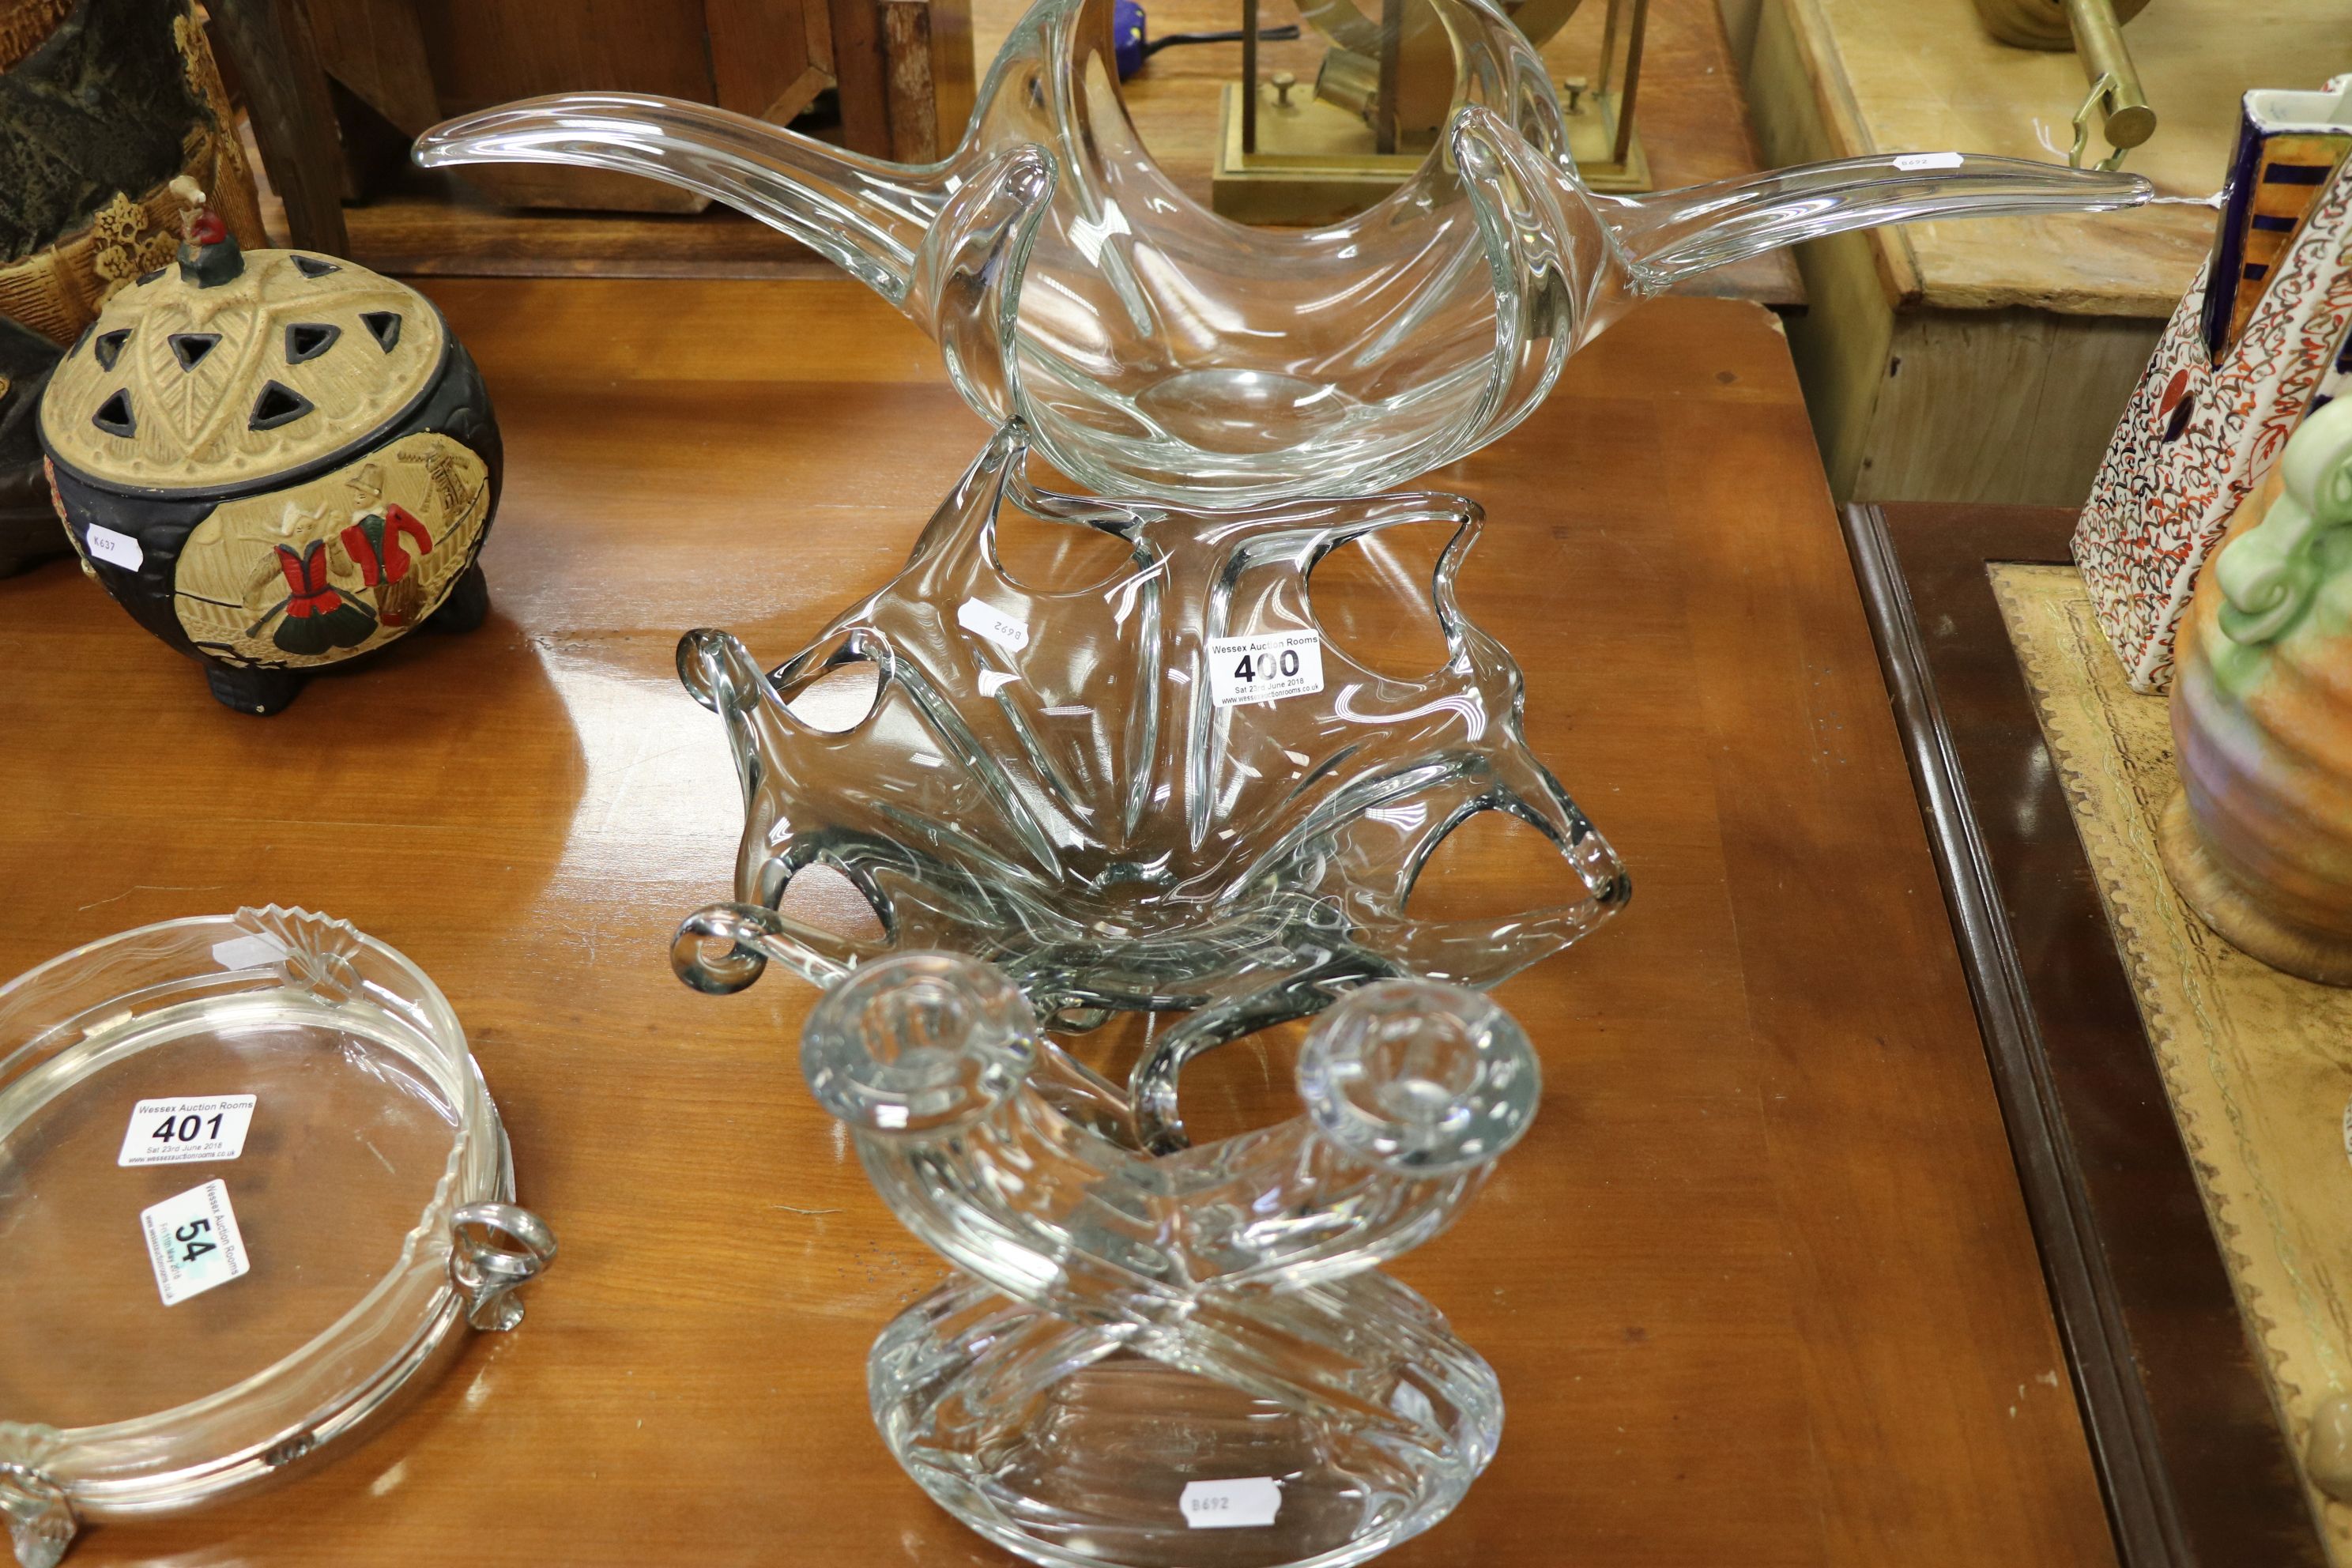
[(1128, 1460), (1188, 1360)]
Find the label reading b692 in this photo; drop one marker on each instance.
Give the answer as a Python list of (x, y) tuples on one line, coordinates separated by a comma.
[(1266, 668), (1248, 1502), (988, 621)]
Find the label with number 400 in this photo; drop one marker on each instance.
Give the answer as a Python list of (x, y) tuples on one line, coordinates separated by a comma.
[(193, 1242), (1264, 668)]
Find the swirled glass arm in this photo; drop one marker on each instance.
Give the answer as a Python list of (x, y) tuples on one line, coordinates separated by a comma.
[(866, 216), (1673, 234), (1413, 1089), (1567, 262)]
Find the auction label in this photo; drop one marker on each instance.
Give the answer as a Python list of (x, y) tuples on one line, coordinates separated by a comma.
[(1242, 1504), (193, 1242), (255, 951), (988, 621), (1911, 163), (187, 1131), (114, 549), (1266, 668)]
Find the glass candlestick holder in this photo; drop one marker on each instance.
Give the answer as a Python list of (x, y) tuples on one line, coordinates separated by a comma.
[(1191, 1359)]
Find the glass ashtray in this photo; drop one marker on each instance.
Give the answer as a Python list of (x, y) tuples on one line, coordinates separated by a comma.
[(251, 1180)]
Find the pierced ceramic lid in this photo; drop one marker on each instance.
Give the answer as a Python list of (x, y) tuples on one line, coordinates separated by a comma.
[(289, 358)]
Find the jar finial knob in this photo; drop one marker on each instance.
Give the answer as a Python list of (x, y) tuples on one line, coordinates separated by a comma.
[(209, 254)]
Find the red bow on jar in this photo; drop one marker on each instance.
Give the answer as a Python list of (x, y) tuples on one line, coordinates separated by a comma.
[(374, 545), (306, 583), (317, 618)]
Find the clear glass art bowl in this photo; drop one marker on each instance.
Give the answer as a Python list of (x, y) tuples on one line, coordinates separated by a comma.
[(271, 1087), (1080, 786), (1184, 1362), (1157, 348)]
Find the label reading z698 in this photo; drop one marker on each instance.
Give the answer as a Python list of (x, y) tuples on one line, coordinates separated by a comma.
[(1266, 668)]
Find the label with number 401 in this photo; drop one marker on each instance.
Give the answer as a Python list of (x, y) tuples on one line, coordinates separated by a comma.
[(1264, 668), (193, 1242), (187, 1131)]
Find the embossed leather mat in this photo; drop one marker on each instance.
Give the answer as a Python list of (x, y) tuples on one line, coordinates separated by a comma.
[(2257, 1064)]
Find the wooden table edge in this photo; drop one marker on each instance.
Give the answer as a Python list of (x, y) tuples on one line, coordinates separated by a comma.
[(2140, 1488)]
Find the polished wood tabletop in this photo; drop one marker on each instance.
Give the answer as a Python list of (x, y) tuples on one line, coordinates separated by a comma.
[(1758, 1284), (2191, 1454)]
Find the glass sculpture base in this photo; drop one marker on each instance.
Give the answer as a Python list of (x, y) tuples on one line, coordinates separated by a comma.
[(1060, 1444), (1185, 1360), (1119, 794)]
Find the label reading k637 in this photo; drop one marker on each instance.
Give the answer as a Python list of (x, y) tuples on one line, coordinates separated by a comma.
[(1266, 668), (114, 549)]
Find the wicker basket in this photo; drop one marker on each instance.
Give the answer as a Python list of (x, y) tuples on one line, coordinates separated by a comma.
[(59, 290)]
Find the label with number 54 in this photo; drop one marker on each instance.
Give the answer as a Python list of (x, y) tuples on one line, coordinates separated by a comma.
[(1264, 668), (193, 1243)]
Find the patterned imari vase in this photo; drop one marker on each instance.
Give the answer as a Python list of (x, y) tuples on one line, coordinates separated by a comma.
[(275, 461), (2258, 839), (2258, 340)]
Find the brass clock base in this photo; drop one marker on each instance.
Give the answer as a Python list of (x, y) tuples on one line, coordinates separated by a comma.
[(1315, 161)]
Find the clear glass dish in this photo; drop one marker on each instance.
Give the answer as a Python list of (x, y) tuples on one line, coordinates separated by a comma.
[(367, 1188), (1183, 1362), (1076, 786), (1158, 349)]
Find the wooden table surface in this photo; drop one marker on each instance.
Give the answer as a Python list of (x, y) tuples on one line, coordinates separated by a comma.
[(2191, 1453), (1758, 1284)]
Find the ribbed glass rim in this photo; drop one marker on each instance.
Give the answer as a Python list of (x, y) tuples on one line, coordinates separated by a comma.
[(155, 1462)]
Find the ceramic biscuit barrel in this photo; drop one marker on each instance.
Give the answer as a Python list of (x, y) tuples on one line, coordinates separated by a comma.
[(275, 461)]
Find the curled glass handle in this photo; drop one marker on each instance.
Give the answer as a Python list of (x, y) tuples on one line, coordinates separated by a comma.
[(487, 1272), (867, 216), (722, 948)]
